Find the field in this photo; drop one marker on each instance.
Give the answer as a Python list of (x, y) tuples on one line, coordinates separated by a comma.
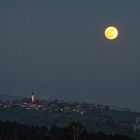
[(108, 121)]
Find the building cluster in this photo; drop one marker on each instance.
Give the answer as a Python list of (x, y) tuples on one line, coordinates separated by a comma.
[(53, 106)]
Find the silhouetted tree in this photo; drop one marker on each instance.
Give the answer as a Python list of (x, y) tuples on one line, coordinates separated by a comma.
[(75, 131)]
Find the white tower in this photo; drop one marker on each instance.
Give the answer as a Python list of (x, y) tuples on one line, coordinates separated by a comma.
[(33, 98)]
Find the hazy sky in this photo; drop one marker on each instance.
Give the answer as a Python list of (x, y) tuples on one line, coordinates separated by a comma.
[(58, 47)]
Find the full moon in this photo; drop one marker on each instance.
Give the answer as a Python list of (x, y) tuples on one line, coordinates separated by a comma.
[(111, 33)]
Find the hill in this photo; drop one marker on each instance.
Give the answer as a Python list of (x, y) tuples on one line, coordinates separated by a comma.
[(9, 97), (110, 121), (74, 131)]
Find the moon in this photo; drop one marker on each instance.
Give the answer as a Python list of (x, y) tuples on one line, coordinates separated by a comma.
[(111, 33)]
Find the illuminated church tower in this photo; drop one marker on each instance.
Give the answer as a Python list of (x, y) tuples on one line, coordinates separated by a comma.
[(33, 98)]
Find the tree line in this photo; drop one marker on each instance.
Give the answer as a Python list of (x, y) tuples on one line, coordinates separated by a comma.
[(74, 131)]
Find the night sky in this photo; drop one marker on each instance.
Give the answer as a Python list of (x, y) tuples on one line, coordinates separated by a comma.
[(58, 47)]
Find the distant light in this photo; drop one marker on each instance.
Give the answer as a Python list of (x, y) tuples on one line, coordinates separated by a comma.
[(111, 33)]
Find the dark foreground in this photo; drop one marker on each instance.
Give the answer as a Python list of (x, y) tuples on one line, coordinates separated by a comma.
[(75, 131)]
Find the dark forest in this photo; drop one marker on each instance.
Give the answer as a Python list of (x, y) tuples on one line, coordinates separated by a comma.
[(75, 131)]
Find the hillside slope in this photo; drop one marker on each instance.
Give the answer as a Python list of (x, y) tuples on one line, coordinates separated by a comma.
[(106, 121)]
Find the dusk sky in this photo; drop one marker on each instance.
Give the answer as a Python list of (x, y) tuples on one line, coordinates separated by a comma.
[(59, 48)]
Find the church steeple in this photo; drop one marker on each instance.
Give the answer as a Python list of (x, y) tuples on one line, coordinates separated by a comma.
[(33, 97)]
